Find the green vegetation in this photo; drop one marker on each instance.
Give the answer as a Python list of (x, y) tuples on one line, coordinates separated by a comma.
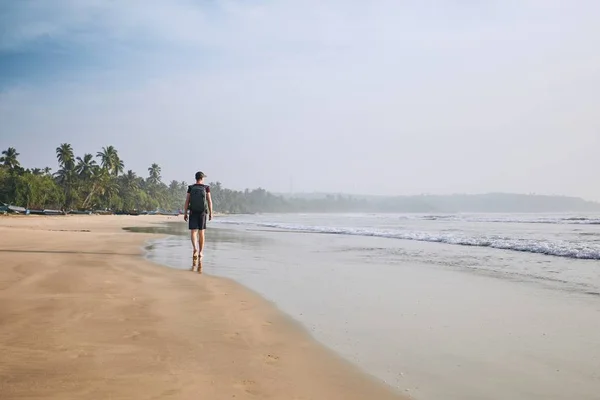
[(86, 183), (100, 182)]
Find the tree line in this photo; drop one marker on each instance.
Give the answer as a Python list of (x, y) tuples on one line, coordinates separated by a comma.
[(86, 183), (100, 182)]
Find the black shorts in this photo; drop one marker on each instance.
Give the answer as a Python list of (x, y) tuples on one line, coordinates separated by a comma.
[(197, 221)]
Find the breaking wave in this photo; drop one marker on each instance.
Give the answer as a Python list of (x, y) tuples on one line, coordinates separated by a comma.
[(586, 251), (517, 220)]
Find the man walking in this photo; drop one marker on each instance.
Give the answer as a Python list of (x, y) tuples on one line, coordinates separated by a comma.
[(199, 204)]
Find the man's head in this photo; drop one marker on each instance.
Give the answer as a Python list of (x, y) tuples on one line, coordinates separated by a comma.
[(200, 176)]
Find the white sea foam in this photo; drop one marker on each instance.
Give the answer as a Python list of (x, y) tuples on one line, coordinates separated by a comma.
[(511, 219), (559, 248)]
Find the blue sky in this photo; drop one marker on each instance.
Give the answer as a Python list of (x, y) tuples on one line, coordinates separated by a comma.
[(390, 97)]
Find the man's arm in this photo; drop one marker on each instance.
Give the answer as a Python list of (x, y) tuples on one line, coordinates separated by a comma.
[(209, 201), (185, 208)]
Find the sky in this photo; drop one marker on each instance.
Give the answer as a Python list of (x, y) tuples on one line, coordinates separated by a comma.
[(385, 97)]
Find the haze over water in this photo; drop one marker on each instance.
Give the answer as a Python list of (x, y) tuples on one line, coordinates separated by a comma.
[(447, 306)]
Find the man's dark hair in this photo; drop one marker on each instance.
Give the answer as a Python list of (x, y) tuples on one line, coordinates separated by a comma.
[(200, 175)]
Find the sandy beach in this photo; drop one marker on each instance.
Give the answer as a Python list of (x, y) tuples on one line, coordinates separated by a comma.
[(85, 316)]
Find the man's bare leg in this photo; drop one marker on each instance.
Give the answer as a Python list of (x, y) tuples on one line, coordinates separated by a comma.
[(194, 237), (201, 241)]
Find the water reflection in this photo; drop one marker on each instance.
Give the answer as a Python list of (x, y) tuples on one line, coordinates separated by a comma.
[(175, 250), (167, 228), (214, 235), (197, 268)]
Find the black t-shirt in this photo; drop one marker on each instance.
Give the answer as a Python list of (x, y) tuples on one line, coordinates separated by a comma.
[(199, 184)]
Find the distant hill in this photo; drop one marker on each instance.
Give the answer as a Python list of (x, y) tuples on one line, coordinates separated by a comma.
[(490, 202)]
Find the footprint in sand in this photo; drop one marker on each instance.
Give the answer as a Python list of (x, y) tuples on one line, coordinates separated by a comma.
[(132, 335), (249, 386), (233, 335), (244, 305), (271, 358), (84, 315), (79, 354), (171, 392)]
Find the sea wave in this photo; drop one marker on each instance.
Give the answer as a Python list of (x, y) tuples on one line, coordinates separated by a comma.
[(576, 250), (515, 220)]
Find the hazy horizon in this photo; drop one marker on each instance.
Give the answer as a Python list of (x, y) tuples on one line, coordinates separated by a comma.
[(385, 98)]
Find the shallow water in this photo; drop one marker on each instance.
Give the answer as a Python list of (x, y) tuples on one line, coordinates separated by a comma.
[(441, 320)]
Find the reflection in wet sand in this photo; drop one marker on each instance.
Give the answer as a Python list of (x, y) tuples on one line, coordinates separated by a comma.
[(197, 268), (175, 250), (216, 235)]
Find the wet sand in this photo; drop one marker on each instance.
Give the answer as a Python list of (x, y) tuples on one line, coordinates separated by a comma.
[(84, 316), (416, 314)]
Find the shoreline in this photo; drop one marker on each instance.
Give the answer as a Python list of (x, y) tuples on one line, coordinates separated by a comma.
[(87, 315)]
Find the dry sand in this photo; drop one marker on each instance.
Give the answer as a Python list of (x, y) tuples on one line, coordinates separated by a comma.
[(84, 316)]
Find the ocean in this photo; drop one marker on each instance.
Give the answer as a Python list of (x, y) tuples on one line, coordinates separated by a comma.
[(453, 306)]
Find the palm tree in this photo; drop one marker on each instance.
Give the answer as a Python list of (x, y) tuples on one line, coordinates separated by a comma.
[(106, 157), (86, 166), (66, 174), (109, 159), (66, 162), (118, 167), (129, 188), (217, 193), (174, 186), (85, 170), (130, 181), (154, 174), (107, 186), (65, 156), (9, 158), (102, 184)]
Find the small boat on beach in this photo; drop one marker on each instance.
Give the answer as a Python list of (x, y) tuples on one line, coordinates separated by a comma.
[(18, 210), (78, 212), (103, 212), (53, 212)]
